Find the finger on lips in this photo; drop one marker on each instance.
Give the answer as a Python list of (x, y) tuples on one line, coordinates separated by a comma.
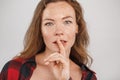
[(61, 47), (57, 56)]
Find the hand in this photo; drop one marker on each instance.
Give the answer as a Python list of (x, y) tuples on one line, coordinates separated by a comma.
[(60, 63)]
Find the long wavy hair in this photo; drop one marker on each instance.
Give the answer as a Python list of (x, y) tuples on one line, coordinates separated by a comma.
[(34, 44)]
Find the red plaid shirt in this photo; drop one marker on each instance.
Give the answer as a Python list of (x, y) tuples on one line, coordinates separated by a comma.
[(19, 69)]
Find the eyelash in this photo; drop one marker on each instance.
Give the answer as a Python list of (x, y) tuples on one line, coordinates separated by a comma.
[(48, 24), (68, 22), (65, 22)]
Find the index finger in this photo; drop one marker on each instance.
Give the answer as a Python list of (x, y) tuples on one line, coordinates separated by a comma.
[(61, 47)]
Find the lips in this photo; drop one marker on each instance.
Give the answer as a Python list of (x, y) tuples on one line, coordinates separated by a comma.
[(62, 41)]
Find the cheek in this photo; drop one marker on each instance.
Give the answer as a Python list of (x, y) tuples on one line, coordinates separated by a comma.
[(71, 32), (71, 37), (46, 36)]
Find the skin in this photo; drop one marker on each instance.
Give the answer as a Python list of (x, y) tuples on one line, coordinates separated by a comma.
[(59, 30)]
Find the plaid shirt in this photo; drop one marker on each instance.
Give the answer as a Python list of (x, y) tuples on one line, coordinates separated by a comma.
[(19, 69)]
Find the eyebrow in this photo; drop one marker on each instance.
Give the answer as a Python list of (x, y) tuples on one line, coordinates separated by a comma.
[(49, 19), (67, 17)]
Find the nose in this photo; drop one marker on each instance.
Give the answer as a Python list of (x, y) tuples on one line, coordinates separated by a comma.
[(59, 31)]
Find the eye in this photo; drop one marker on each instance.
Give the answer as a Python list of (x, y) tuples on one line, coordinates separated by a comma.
[(48, 24), (67, 22)]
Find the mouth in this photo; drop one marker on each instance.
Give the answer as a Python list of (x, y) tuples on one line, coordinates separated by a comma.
[(62, 41)]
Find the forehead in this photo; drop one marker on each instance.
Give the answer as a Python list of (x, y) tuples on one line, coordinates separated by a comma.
[(58, 9)]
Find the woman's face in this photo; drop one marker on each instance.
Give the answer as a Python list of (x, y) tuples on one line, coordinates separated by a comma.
[(59, 22)]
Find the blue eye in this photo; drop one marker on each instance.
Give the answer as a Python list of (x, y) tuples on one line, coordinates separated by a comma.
[(67, 22), (49, 24)]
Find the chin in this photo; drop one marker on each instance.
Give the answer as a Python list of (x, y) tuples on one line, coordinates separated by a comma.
[(55, 50)]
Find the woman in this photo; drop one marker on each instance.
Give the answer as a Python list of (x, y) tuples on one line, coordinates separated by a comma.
[(55, 45)]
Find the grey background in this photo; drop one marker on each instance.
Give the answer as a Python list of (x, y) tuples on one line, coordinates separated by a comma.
[(103, 21)]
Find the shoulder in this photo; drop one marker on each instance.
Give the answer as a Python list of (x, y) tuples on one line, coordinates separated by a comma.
[(11, 68), (14, 64), (87, 73), (18, 68)]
